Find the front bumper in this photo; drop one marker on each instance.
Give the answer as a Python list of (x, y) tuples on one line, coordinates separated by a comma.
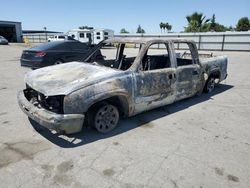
[(69, 123), (4, 43)]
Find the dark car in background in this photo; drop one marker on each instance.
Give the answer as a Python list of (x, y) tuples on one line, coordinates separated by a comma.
[(3, 40), (53, 53)]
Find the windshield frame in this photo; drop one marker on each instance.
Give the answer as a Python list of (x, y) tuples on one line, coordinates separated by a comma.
[(92, 52)]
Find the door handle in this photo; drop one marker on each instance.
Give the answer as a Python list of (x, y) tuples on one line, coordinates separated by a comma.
[(171, 76)]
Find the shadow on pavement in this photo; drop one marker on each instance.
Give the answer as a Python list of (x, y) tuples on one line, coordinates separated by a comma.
[(88, 135)]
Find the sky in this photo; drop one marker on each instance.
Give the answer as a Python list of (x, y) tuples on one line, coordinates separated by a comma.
[(64, 15)]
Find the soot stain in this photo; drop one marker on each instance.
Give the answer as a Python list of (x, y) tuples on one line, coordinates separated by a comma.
[(17, 151), (65, 166), (116, 143), (108, 172), (48, 170), (63, 179), (233, 178), (61, 176), (219, 171), (3, 113)]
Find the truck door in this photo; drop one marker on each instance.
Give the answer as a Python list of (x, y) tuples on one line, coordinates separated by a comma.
[(156, 79), (188, 70)]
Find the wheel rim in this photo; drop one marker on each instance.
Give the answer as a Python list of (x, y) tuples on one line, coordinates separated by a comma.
[(58, 62), (210, 85), (106, 118)]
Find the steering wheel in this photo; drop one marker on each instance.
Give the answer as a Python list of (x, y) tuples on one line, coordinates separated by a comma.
[(147, 63), (185, 52)]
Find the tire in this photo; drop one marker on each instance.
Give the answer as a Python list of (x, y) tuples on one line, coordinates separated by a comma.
[(210, 85), (104, 117), (58, 61)]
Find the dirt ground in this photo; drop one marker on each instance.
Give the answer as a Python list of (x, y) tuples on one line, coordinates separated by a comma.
[(203, 141)]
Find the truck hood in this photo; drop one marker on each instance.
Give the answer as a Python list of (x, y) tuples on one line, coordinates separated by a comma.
[(65, 78)]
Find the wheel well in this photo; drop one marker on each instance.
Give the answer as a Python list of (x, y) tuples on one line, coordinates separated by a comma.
[(119, 101), (215, 74), (58, 59)]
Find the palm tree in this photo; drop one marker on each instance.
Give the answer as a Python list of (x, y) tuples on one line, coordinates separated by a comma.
[(161, 26), (196, 22), (168, 27), (165, 26)]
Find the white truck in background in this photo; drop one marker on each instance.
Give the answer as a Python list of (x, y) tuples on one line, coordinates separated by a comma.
[(59, 38)]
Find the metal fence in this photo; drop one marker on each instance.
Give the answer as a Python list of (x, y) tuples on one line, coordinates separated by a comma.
[(38, 37), (223, 41)]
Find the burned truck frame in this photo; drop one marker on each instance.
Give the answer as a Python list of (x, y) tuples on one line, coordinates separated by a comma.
[(101, 89)]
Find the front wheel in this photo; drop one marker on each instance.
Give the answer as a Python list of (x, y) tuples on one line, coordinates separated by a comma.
[(210, 85), (105, 117)]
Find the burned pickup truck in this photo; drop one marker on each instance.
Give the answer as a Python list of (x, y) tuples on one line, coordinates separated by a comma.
[(119, 77)]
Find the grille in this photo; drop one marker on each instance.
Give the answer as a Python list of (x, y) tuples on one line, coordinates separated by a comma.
[(50, 103)]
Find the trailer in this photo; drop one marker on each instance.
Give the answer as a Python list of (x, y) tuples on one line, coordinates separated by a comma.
[(92, 36)]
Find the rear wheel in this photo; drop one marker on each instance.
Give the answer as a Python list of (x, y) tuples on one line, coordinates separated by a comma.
[(57, 62), (104, 117), (210, 85)]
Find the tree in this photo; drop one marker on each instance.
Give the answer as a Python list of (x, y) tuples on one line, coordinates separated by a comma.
[(221, 28), (161, 26), (165, 26), (231, 28), (196, 22), (168, 27), (140, 30), (214, 26), (123, 30), (213, 23), (243, 24)]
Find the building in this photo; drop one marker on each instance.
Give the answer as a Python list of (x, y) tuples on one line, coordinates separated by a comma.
[(27, 32), (38, 36), (12, 31)]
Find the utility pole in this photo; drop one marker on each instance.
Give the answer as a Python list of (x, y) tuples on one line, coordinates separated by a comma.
[(45, 31)]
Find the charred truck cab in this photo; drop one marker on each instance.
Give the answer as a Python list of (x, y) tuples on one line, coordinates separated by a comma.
[(119, 77)]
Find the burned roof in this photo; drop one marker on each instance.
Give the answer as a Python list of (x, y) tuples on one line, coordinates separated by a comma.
[(144, 40)]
